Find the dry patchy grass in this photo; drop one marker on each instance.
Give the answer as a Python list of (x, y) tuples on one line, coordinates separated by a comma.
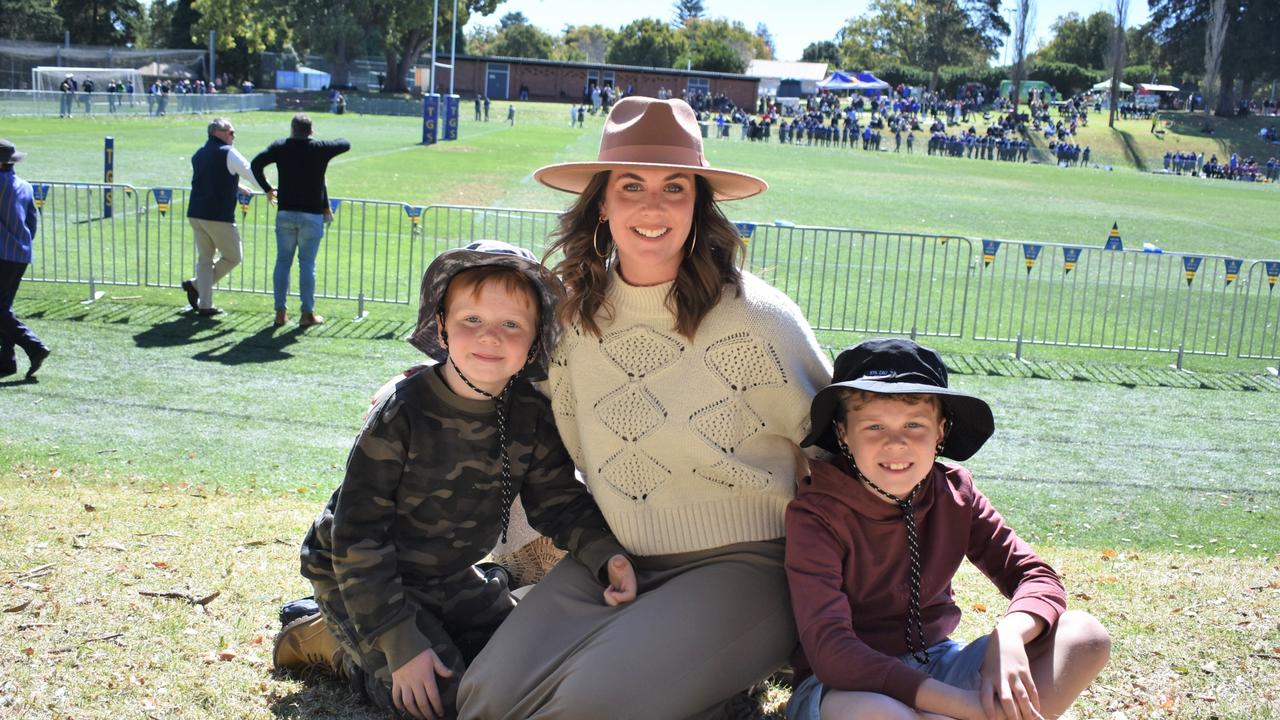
[(125, 599)]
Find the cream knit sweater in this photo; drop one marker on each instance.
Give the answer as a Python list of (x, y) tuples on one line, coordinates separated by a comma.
[(686, 444)]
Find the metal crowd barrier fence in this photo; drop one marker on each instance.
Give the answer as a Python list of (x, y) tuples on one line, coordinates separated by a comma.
[(1050, 294), (845, 281), (1260, 336), (100, 102), (88, 233), (862, 281)]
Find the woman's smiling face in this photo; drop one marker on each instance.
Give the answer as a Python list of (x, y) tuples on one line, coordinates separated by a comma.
[(650, 213)]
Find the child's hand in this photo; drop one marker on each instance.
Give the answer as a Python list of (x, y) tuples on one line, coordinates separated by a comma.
[(413, 686), (622, 582), (1007, 686)]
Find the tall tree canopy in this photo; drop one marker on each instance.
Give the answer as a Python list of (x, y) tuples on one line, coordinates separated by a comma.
[(103, 22), (1250, 51), (1079, 40), (891, 31), (517, 38), (822, 51), (686, 10), (30, 20), (720, 45), (646, 42), (585, 43)]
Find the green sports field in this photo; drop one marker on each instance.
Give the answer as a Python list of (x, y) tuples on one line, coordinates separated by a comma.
[(160, 453)]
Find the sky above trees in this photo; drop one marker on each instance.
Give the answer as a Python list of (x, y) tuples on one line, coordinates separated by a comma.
[(793, 26)]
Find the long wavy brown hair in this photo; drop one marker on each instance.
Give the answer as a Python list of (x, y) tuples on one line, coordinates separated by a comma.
[(699, 283)]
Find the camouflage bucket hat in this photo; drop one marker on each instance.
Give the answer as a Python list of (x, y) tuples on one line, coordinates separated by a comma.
[(435, 281)]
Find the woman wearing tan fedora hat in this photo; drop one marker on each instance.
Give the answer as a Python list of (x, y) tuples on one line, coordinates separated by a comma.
[(681, 390)]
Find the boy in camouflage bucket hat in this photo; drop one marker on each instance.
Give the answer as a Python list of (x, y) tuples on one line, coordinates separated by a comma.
[(428, 490)]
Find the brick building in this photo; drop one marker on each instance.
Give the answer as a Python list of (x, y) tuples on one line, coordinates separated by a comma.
[(554, 80)]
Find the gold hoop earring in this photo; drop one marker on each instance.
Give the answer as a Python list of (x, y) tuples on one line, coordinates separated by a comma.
[(693, 244), (595, 240)]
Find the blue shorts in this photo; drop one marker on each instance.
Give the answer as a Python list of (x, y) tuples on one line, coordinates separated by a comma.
[(951, 662)]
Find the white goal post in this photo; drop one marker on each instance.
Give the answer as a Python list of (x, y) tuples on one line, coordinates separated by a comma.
[(49, 77)]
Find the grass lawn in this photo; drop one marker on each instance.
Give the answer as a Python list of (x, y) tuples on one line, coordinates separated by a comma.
[(161, 459)]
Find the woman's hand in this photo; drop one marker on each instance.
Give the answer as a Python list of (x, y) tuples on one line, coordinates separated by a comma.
[(1007, 684), (622, 582), (413, 686)]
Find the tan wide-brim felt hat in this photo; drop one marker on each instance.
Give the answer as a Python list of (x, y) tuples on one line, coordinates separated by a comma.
[(648, 134)]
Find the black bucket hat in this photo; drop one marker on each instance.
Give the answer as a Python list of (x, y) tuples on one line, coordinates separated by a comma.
[(435, 282), (9, 152), (901, 367)]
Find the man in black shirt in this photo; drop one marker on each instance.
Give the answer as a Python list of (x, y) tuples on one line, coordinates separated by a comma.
[(303, 200)]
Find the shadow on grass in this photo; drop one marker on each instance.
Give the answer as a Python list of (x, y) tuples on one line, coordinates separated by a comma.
[(320, 698), (1228, 134), (1131, 151), (264, 346), (179, 330)]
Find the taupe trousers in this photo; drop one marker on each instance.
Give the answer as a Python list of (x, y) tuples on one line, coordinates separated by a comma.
[(705, 626), (214, 238)]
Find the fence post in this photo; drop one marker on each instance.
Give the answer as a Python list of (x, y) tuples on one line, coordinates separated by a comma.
[(360, 313), (1178, 362), (1017, 352)]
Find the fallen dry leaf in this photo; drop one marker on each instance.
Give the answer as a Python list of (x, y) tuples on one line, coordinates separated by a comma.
[(18, 608), (1108, 554), (227, 654), (979, 607), (89, 508)]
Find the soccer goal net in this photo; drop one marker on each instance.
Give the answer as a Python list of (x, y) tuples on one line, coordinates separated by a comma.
[(50, 77)]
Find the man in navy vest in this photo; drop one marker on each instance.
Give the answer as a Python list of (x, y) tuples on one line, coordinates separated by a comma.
[(211, 210)]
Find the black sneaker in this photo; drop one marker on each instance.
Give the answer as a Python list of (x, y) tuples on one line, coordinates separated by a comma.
[(193, 295), (209, 311)]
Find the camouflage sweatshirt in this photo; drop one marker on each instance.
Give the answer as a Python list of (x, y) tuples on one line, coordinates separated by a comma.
[(421, 499)]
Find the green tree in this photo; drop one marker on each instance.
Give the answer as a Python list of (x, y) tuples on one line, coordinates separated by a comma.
[(102, 22), (890, 32), (520, 39), (960, 32), (1079, 40), (720, 45), (766, 38), (822, 51), (687, 10), (584, 43), (647, 43), (30, 20), (1250, 52)]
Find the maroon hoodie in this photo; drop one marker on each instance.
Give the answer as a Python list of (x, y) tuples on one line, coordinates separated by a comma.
[(847, 567)]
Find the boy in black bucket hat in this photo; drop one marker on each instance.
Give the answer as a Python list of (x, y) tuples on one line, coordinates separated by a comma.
[(403, 607), (874, 538)]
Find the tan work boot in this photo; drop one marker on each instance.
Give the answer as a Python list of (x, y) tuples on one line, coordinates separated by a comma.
[(307, 642), (310, 318), (282, 317)]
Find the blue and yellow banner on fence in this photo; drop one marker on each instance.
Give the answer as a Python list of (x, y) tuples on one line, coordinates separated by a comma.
[(414, 212), (244, 198), (451, 105), (1113, 239), (1190, 265), (163, 197), (1273, 272), (745, 231), (108, 173), (1070, 256), (430, 118), (1233, 270), (40, 193), (989, 250), (333, 206), (1029, 255)]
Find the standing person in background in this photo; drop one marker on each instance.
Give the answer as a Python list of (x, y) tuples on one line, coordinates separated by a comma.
[(18, 217), (300, 162), (68, 90), (211, 210)]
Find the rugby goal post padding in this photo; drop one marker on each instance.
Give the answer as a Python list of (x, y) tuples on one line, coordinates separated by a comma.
[(49, 77)]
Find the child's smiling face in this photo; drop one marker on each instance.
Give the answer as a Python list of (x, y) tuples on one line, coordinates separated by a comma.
[(893, 440), (490, 330)]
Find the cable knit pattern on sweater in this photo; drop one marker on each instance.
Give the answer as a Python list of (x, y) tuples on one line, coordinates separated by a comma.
[(689, 444)]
